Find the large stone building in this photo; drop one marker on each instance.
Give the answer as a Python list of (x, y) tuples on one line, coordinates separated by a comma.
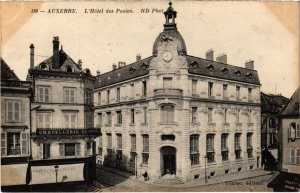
[(173, 113), (15, 127), (61, 119)]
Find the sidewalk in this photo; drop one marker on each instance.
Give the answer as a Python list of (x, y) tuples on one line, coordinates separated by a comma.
[(195, 183)]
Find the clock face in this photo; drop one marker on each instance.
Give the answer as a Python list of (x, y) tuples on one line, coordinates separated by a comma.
[(167, 56)]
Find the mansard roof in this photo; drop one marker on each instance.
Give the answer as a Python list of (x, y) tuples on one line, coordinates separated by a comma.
[(292, 107), (130, 71), (6, 72), (215, 69), (272, 104)]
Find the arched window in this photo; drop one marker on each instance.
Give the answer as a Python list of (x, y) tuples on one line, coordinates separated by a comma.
[(167, 113), (69, 69), (44, 67)]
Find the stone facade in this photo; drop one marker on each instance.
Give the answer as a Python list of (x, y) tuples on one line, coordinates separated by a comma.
[(166, 114)]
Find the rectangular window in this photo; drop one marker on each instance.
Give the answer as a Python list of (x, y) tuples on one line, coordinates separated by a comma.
[(194, 114), (237, 92), (144, 115), (108, 97), (295, 156), (44, 120), (237, 146), (133, 143), (69, 95), (108, 116), (119, 117), (167, 113), (13, 144), (70, 120), (210, 88), (13, 111), (249, 145), (250, 94), (88, 96), (194, 87), (210, 152), (70, 149), (119, 141), (144, 88), (132, 116), (167, 82), (89, 120), (145, 153), (210, 112), (194, 149), (44, 93), (238, 116), (109, 141), (100, 121), (46, 150), (224, 147), (99, 98), (225, 92), (132, 91), (118, 94)]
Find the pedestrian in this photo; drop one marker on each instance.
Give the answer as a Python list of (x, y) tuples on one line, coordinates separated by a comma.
[(145, 175)]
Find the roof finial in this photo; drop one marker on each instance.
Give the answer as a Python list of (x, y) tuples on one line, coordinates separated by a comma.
[(170, 3), (61, 47)]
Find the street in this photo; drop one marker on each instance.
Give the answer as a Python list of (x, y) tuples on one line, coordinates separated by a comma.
[(112, 182)]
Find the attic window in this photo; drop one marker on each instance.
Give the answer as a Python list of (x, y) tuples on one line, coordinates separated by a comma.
[(69, 69), (87, 71), (237, 73), (44, 67), (225, 71), (210, 67), (195, 64), (131, 70), (144, 66), (249, 75)]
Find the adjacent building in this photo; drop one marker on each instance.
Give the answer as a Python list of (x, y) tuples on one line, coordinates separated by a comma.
[(180, 115), (61, 119), (15, 127), (289, 146), (271, 106)]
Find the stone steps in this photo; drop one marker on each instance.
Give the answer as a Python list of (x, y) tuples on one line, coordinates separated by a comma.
[(168, 180)]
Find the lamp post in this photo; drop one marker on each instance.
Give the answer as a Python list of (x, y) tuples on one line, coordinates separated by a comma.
[(205, 157), (56, 171)]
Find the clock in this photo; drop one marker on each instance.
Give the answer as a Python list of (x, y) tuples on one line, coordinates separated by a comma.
[(167, 56)]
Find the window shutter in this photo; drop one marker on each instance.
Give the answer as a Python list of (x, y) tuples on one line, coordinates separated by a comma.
[(289, 131), (61, 150), (9, 111), (47, 95), (41, 94), (3, 143), (298, 131), (47, 120), (72, 97), (77, 149), (292, 155), (66, 119), (73, 121), (24, 142), (40, 153), (17, 111)]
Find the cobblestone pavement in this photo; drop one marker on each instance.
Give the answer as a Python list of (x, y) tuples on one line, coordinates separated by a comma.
[(112, 182)]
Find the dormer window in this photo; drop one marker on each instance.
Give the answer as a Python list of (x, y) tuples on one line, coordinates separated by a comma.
[(69, 69), (210, 67), (44, 67), (225, 71), (131, 70), (249, 75), (144, 66), (195, 64), (237, 73)]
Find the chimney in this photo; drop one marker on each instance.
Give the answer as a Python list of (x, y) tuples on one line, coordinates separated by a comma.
[(80, 63), (249, 64), (55, 52), (114, 66), (138, 57), (210, 54), (119, 64), (98, 72), (31, 55), (222, 58)]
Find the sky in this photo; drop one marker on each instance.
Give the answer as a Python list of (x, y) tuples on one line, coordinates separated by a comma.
[(265, 33)]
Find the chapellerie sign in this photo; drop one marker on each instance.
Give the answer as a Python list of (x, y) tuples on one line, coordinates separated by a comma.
[(72, 131)]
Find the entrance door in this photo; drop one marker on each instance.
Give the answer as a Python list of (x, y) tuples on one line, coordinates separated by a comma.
[(46, 151), (169, 164)]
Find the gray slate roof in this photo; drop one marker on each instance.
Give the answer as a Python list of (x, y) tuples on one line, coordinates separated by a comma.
[(292, 108), (196, 65), (6, 72)]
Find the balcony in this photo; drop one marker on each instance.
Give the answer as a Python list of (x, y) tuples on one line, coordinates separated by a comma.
[(168, 93), (66, 132)]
